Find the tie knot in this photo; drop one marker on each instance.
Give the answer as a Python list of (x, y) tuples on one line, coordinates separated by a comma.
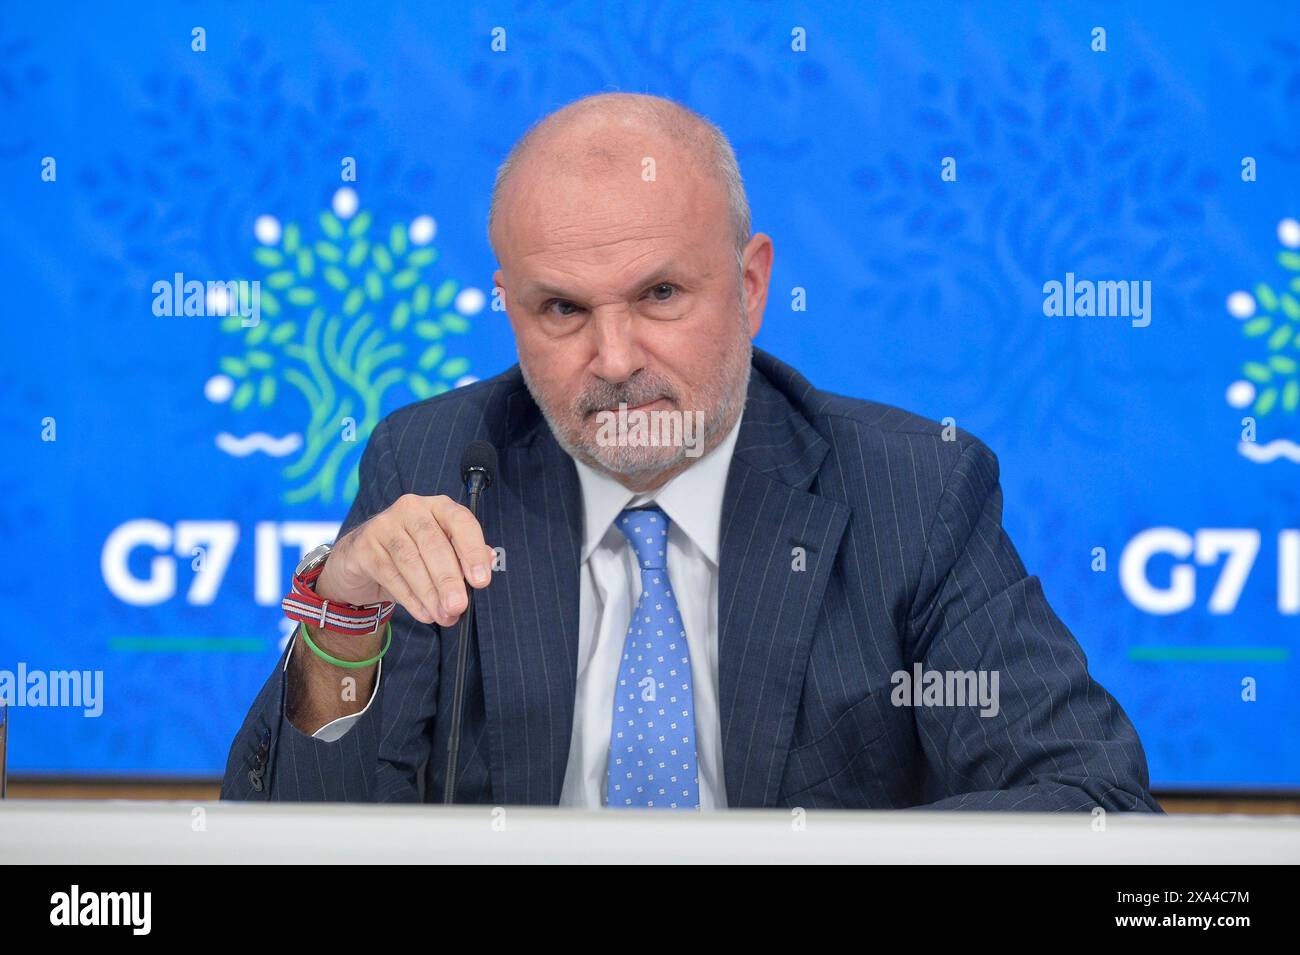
[(646, 529)]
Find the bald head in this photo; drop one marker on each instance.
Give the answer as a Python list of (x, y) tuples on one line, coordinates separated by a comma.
[(611, 134)]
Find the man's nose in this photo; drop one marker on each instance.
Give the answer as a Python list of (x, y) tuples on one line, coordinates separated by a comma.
[(618, 356)]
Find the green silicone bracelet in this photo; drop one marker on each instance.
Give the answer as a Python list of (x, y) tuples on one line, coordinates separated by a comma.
[(350, 664)]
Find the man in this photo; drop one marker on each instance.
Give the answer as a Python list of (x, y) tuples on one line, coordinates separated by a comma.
[(742, 620)]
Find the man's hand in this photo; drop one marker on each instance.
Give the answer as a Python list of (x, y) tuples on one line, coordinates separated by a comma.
[(419, 552)]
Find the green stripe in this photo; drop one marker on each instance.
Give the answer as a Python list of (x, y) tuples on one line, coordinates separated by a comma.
[(1212, 654), (188, 644)]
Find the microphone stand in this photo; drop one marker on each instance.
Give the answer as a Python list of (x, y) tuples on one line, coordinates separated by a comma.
[(476, 480)]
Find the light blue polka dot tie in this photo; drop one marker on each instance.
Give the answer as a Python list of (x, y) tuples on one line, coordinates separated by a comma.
[(652, 737)]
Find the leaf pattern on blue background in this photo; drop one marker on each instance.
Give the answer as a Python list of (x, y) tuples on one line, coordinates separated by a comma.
[(673, 49), (22, 79), (1066, 161), (177, 202), (1026, 209)]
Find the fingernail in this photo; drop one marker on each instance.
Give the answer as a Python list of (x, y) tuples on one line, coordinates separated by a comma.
[(451, 603), (478, 574)]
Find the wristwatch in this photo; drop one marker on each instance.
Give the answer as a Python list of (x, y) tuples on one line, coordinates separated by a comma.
[(302, 603)]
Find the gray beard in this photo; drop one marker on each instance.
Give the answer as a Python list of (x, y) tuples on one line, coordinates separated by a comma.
[(624, 461)]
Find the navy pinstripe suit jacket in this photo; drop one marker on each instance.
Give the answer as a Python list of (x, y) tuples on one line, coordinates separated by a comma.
[(906, 562)]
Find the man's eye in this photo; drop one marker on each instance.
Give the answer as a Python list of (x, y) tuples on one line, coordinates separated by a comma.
[(559, 306), (663, 291)]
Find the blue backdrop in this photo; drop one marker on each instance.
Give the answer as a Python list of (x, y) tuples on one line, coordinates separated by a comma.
[(924, 169)]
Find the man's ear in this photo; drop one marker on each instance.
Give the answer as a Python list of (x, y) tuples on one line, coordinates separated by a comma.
[(756, 271), (498, 282)]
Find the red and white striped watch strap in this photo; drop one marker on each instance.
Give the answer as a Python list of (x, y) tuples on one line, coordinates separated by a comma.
[(304, 604)]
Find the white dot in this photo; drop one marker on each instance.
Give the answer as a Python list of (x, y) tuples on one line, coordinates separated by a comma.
[(1240, 394), (267, 230), (217, 299), (422, 230), (218, 388), (464, 380), (346, 202), (1241, 305), (470, 301), (1288, 233)]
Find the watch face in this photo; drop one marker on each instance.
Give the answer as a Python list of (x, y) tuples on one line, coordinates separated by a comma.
[(314, 558)]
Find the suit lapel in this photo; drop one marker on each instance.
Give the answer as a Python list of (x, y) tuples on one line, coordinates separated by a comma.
[(528, 616), (778, 546)]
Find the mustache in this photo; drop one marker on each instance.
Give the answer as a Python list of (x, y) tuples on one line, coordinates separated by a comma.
[(604, 396)]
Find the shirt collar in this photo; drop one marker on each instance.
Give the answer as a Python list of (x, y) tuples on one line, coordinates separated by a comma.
[(692, 500)]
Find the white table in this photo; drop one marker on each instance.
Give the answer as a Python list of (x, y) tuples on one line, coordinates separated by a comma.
[(118, 831)]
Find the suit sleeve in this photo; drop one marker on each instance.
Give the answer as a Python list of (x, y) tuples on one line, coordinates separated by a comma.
[(378, 758), (1057, 741)]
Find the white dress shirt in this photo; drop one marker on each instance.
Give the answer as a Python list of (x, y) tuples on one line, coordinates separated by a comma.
[(610, 587)]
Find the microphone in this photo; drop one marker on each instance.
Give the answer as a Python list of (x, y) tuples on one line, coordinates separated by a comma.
[(477, 467)]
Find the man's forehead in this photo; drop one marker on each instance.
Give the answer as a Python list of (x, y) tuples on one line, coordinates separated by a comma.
[(574, 220), (542, 277), (559, 199), (557, 187)]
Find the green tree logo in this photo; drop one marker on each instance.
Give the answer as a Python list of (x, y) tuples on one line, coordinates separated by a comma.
[(1270, 317), (346, 315)]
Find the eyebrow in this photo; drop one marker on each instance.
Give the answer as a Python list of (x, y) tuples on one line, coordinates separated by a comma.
[(664, 271)]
